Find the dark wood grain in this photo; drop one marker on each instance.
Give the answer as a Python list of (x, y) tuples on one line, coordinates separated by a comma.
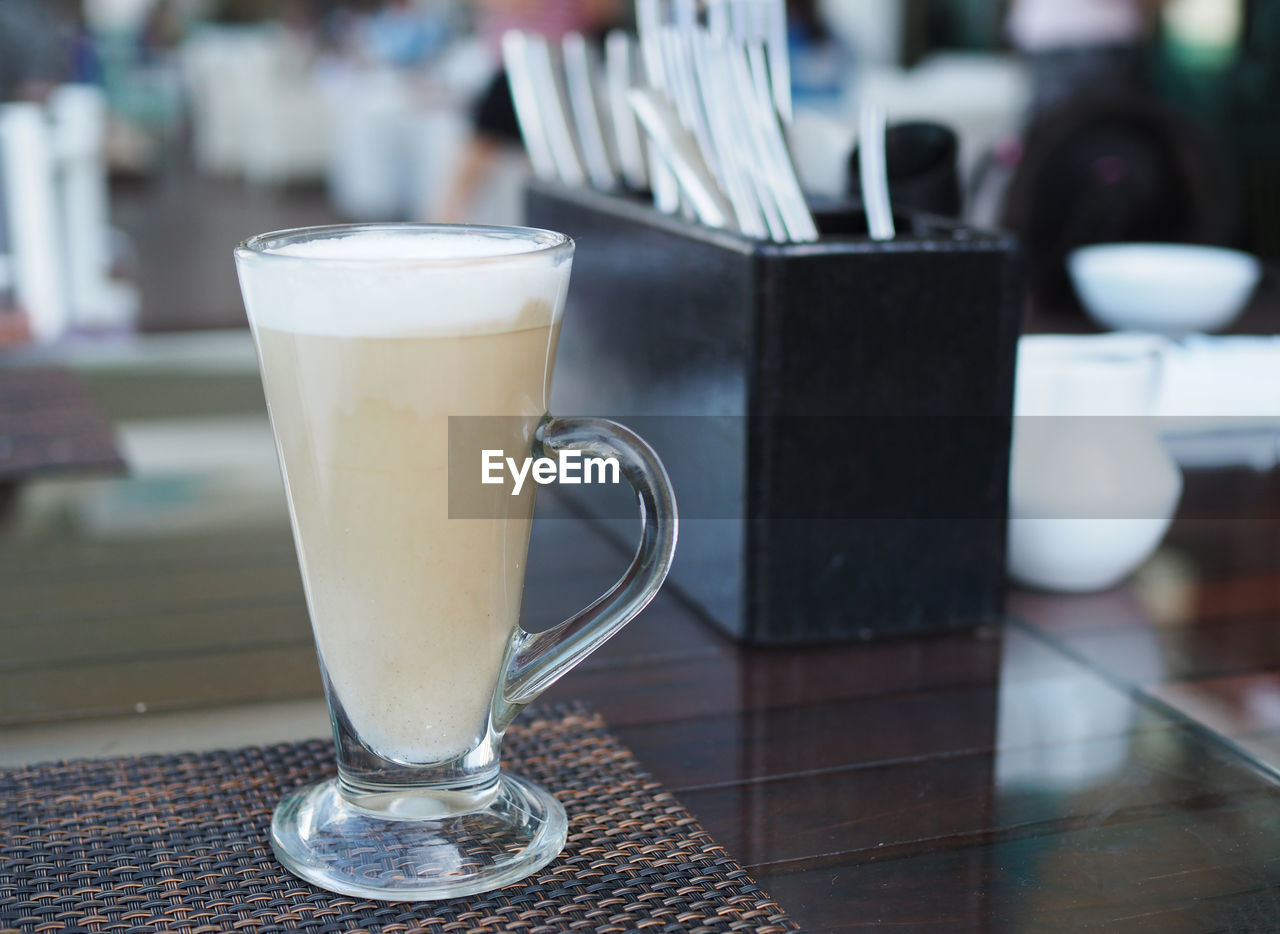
[(1202, 602), (1227, 547), (1104, 762), (1101, 764), (50, 425), (948, 799), (755, 744), (1018, 780), (1212, 870), (117, 685)]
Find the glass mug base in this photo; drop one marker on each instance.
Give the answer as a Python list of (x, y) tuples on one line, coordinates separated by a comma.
[(398, 850)]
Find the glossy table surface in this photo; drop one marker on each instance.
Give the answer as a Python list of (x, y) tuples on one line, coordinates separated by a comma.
[(1103, 763)]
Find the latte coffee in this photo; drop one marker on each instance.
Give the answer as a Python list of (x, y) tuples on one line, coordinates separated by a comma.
[(363, 363)]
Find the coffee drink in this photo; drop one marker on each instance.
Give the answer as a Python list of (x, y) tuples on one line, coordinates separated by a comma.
[(395, 359), (363, 364)]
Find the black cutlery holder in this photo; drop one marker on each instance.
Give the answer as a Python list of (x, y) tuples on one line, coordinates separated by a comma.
[(835, 417)]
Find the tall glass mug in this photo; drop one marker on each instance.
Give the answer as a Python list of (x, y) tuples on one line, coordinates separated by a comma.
[(370, 338)]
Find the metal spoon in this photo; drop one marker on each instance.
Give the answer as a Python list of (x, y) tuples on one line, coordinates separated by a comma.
[(772, 159), (552, 104), (677, 146), (528, 115), (780, 59), (580, 75), (872, 164), (666, 190), (620, 71), (712, 99)]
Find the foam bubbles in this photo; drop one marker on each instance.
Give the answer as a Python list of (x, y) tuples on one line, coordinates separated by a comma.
[(379, 283), (387, 246)]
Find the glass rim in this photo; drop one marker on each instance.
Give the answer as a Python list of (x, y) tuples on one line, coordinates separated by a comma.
[(267, 245)]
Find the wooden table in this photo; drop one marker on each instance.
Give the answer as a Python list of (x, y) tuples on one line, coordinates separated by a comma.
[(1099, 763), (1056, 775)]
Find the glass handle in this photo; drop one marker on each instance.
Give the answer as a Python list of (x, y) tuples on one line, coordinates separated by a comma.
[(537, 660)]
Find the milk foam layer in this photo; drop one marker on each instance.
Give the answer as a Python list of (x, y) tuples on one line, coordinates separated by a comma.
[(390, 246), (415, 283)]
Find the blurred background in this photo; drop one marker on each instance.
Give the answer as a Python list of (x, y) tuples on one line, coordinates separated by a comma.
[(140, 140), (210, 120), (146, 560)]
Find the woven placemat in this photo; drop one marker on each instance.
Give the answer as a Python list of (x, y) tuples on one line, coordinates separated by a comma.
[(179, 843)]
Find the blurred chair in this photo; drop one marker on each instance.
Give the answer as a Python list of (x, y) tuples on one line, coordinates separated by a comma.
[(369, 171), (1109, 168), (256, 110)]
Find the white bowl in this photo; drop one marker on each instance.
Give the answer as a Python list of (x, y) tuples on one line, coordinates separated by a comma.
[(1163, 288)]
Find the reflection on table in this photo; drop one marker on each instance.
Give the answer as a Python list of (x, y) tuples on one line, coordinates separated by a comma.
[(1099, 761)]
